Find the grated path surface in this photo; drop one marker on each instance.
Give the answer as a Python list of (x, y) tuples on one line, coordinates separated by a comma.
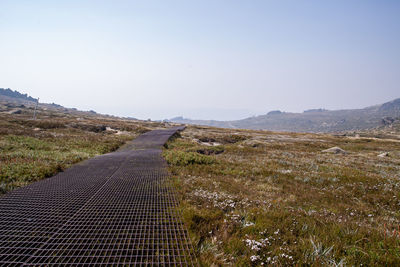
[(116, 209)]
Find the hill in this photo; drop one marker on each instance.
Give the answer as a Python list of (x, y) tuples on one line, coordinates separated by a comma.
[(314, 120), (16, 95)]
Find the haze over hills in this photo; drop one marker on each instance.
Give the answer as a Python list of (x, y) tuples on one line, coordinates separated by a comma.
[(313, 120)]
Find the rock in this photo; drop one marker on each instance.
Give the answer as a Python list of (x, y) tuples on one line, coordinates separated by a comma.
[(89, 127), (385, 154), (109, 129), (200, 142), (205, 144), (253, 143), (16, 111), (117, 132), (387, 120), (196, 140), (334, 150), (207, 140), (209, 144)]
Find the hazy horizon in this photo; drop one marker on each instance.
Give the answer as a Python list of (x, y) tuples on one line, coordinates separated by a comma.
[(220, 60)]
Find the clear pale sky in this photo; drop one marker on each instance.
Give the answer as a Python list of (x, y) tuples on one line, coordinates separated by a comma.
[(202, 59)]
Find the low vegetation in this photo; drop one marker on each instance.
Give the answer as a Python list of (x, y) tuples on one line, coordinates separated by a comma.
[(31, 150), (180, 158), (275, 199), (248, 198)]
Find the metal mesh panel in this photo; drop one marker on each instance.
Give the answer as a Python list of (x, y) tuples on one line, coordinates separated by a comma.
[(116, 209)]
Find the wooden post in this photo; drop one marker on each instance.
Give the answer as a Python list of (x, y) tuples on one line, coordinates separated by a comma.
[(34, 113)]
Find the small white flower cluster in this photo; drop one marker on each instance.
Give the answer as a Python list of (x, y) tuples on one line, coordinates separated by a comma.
[(234, 217), (267, 241), (272, 260), (220, 200), (352, 212), (254, 258), (246, 202), (254, 244), (247, 224), (283, 255), (303, 179), (189, 179), (263, 232), (257, 245), (311, 212)]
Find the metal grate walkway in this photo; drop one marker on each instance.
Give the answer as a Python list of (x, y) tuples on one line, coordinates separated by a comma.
[(117, 209)]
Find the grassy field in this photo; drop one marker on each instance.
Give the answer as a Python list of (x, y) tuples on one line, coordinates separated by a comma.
[(263, 198), (31, 150), (247, 197)]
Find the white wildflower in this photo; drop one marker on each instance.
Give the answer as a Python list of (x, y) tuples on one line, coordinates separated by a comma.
[(254, 244), (254, 258), (247, 224)]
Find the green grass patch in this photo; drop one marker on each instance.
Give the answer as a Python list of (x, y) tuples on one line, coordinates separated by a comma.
[(26, 159), (182, 158)]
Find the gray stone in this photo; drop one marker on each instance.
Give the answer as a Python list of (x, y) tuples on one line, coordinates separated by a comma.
[(334, 150), (16, 111), (385, 154)]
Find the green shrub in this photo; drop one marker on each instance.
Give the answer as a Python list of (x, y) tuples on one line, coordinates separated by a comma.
[(224, 139), (43, 124), (180, 158), (233, 138), (211, 151)]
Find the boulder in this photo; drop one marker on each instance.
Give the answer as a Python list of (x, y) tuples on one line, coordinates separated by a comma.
[(334, 150), (15, 111), (383, 155), (253, 143)]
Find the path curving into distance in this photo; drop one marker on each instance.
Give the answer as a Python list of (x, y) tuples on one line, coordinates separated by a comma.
[(116, 209)]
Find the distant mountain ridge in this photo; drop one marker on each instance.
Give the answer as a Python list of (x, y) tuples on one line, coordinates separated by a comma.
[(313, 120)]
